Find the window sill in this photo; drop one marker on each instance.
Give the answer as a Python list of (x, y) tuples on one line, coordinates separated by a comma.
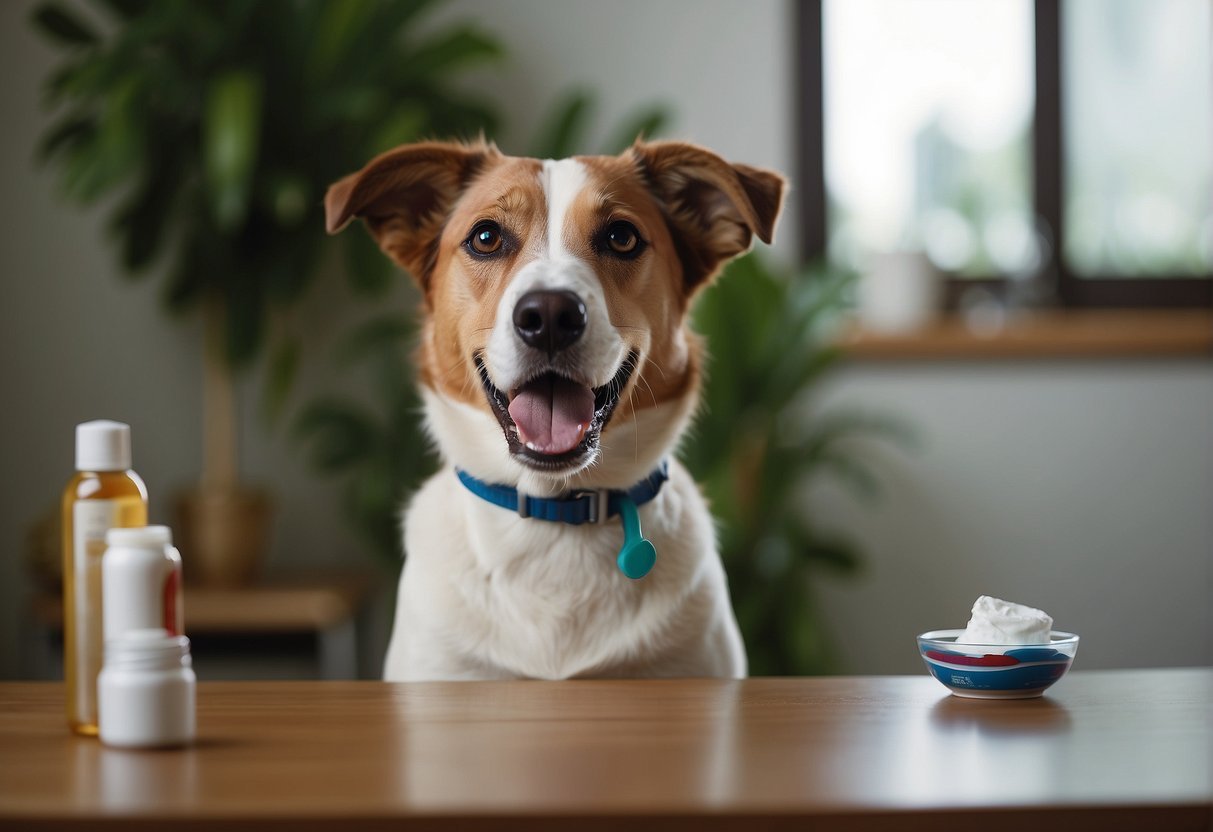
[(1144, 333)]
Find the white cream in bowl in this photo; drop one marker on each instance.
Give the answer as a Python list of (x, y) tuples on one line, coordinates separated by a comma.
[(995, 621)]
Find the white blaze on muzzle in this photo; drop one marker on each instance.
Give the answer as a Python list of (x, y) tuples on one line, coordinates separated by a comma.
[(552, 394)]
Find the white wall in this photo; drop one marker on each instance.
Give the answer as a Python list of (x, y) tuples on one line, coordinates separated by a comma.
[(722, 67), (1083, 487)]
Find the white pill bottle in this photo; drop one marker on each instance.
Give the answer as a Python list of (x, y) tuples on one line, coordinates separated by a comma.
[(145, 693), (146, 688), (141, 582)]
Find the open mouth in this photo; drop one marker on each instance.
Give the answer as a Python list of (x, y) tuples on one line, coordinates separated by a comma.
[(552, 422)]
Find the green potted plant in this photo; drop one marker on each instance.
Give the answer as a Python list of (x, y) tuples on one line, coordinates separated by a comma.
[(212, 129), (760, 441)]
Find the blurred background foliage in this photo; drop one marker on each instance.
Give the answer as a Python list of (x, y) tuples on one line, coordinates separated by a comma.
[(217, 126), (760, 443), (213, 129)]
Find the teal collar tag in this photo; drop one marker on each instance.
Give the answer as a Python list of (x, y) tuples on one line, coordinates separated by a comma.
[(636, 556)]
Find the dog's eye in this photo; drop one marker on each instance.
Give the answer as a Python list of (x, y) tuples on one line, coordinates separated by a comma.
[(486, 238), (623, 239)]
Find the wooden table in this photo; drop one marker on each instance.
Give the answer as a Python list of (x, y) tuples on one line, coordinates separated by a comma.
[(1102, 751)]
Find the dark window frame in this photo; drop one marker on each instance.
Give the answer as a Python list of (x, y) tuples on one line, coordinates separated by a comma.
[(1048, 173)]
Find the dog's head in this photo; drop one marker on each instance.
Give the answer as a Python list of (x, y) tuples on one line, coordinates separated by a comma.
[(554, 350)]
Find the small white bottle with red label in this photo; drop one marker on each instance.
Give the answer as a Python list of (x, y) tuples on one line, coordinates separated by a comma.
[(145, 692), (141, 582)]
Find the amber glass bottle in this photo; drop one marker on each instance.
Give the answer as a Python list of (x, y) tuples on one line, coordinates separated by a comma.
[(104, 494)]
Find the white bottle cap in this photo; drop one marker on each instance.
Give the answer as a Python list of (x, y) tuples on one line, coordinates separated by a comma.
[(140, 536), (103, 445)]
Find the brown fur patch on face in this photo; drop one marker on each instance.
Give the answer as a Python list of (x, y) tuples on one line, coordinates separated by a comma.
[(646, 295), (466, 289)]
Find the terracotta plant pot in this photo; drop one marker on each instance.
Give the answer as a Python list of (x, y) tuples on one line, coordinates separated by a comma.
[(223, 535)]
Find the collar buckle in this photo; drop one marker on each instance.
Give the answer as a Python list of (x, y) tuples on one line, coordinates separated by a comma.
[(597, 507)]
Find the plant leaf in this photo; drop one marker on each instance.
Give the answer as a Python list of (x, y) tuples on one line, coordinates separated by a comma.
[(287, 197), (838, 553), (245, 322), (565, 127), (370, 272), (407, 123), (142, 221), (341, 434), (336, 32), (59, 24), (392, 18), (73, 129), (101, 160), (390, 332), (193, 268), (647, 124), (280, 378), (231, 127), (448, 51), (284, 265), (125, 8), (844, 422)]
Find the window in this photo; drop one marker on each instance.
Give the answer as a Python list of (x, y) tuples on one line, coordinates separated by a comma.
[(928, 111), (1138, 144), (1073, 137)]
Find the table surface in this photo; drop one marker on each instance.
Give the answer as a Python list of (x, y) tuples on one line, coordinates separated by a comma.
[(1102, 750)]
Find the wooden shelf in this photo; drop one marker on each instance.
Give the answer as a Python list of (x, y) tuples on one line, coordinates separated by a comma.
[(1044, 335), (297, 604)]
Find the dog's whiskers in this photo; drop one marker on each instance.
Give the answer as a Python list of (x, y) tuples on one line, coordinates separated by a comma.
[(649, 387), (658, 367), (635, 430)]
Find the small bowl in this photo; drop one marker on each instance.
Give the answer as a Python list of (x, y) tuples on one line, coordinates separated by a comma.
[(996, 671)]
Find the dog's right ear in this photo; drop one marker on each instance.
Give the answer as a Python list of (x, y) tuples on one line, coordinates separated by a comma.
[(404, 196)]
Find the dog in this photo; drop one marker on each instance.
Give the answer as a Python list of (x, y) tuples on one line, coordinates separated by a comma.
[(560, 539)]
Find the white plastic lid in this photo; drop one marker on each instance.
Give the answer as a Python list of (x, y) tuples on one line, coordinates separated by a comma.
[(103, 445), (139, 536), (150, 649)]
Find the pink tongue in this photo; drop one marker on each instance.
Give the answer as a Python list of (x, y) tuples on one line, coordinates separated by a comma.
[(552, 414)]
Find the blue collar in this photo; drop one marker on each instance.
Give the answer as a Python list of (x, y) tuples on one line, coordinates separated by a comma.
[(636, 556), (575, 507)]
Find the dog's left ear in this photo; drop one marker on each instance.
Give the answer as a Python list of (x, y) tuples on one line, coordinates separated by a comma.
[(714, 208)]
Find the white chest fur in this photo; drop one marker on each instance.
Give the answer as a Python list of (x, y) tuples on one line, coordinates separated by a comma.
[(487, 594)]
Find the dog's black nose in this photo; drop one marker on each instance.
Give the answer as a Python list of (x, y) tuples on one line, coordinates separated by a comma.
[(549, 320)]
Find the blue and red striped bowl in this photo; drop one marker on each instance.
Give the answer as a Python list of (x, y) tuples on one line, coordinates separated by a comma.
[(996, 671)]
